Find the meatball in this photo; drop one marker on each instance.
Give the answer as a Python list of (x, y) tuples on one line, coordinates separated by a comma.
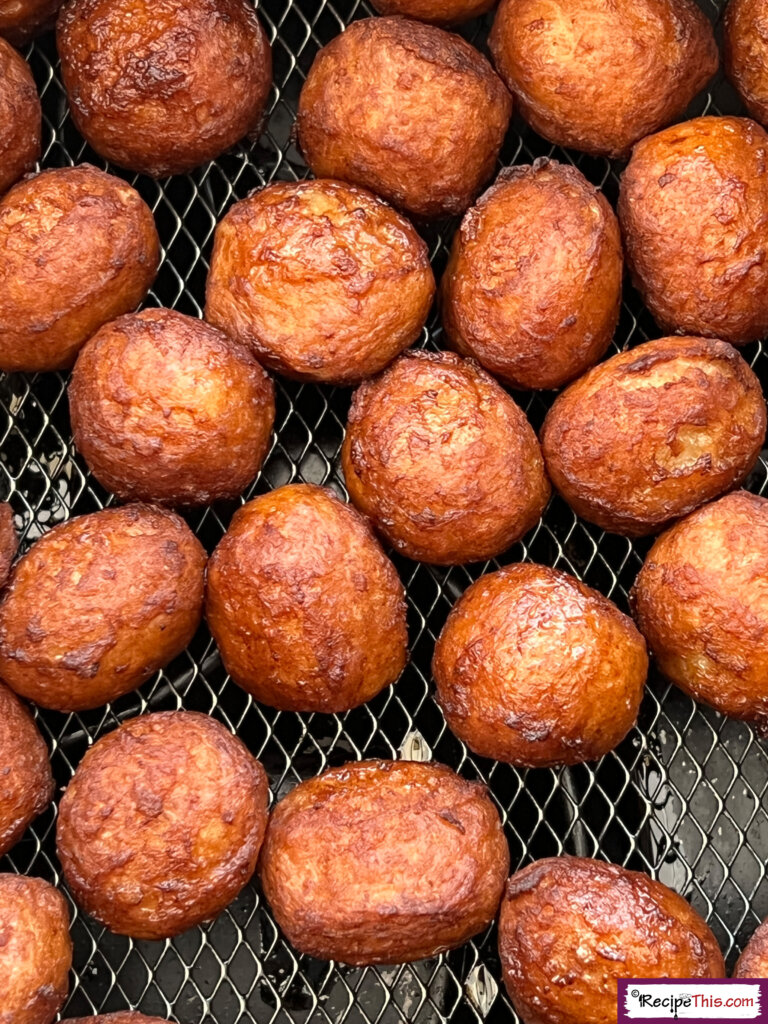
[(533, 285), (161, 825), (26, 782), (21, 116), (22, 19), (597, 75), (412, 112), (324, 281), (35, 952), (745, 49), (165, 408), (693, 207), (535, 668), (77, 248), (9, 541), (308, 612), (161, 88), (426, 876), (701, 602), (571, 926), (98, 605), (438, 12), (442, 461), (654, 432), (753, 962)]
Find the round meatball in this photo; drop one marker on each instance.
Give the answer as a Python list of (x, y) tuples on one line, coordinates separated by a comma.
[(308, 612), (384, 862), (323, 281), (9, 541), (438, 12), (162, 823), (412, 112), (35, 952), (753, 962), (21, 116), (26, 782), (165, 408), (98, 605), (22, 19), (535, 668), (654, 432), (693, 209), (570, 927), (162, 87), (701, 602), (442, 461), (532, 288), (597, 75), (745, 50)]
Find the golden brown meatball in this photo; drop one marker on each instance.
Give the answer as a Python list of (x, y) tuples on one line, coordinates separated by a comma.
[(128, 1017), (442, 461), (77, 248), (753, 962), (701, 602), (384, 862), (571, 926), (26, 782), (438, 12), (22, 19), (412, 112), (535, 668), (165, 408), (307, 610), (98, 605), (654, 432), (745, 52), (693, 208), (161, 825), (20, 116), (324, 281), (9, 541), (597, 75), (532, 289), (162, 86), (35, 952)]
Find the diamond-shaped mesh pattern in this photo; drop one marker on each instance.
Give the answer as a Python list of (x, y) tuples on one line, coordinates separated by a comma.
[(684, 797)]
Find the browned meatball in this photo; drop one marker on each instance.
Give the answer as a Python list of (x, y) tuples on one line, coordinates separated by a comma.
[(535, 668), (753, 962), (307, 610), (9, 541), (597, 75), (693, 209), (442, 461), (745, 51), (384, 862), (438, 12), (100, 603), (161, 825), (407, 110), (22, 19), (26, 782), (323, 280), (570, 927), (652, 433), (20, 116), (165, 408), (162, 86), (532, 289), (128, 1017)]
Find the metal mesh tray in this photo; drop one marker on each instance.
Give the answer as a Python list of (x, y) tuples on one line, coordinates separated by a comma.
[(683, 797)]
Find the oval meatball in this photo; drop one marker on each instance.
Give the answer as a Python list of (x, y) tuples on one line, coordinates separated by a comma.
[(745, 53), (654, 432), (22, 19), (753, 962), (438, 12), (597, 75), (165, 408), (535, 668), (36, 951), (532, 288), (9, 541), (570, 927), (26, 782), (98, 605), (324, 281), (425, 878), (162, 823), (21, 116), (442, 461), (161, 88), (412, 112), (307, 610)]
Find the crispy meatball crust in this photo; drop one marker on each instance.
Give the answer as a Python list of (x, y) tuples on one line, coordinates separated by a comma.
[(26, 782), (323, 280), (9, 541), (535, 668), (161, 825), (20, 116), (166, 408), (20, 20), (384, 862), (437, 12), (571, 926), (753, 962), (98, 605), (745, 54), (36, 951), (408, 110), (308, 612), (532, 288), (654, 432), (162, 86), (442, 461), (597, 75)]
